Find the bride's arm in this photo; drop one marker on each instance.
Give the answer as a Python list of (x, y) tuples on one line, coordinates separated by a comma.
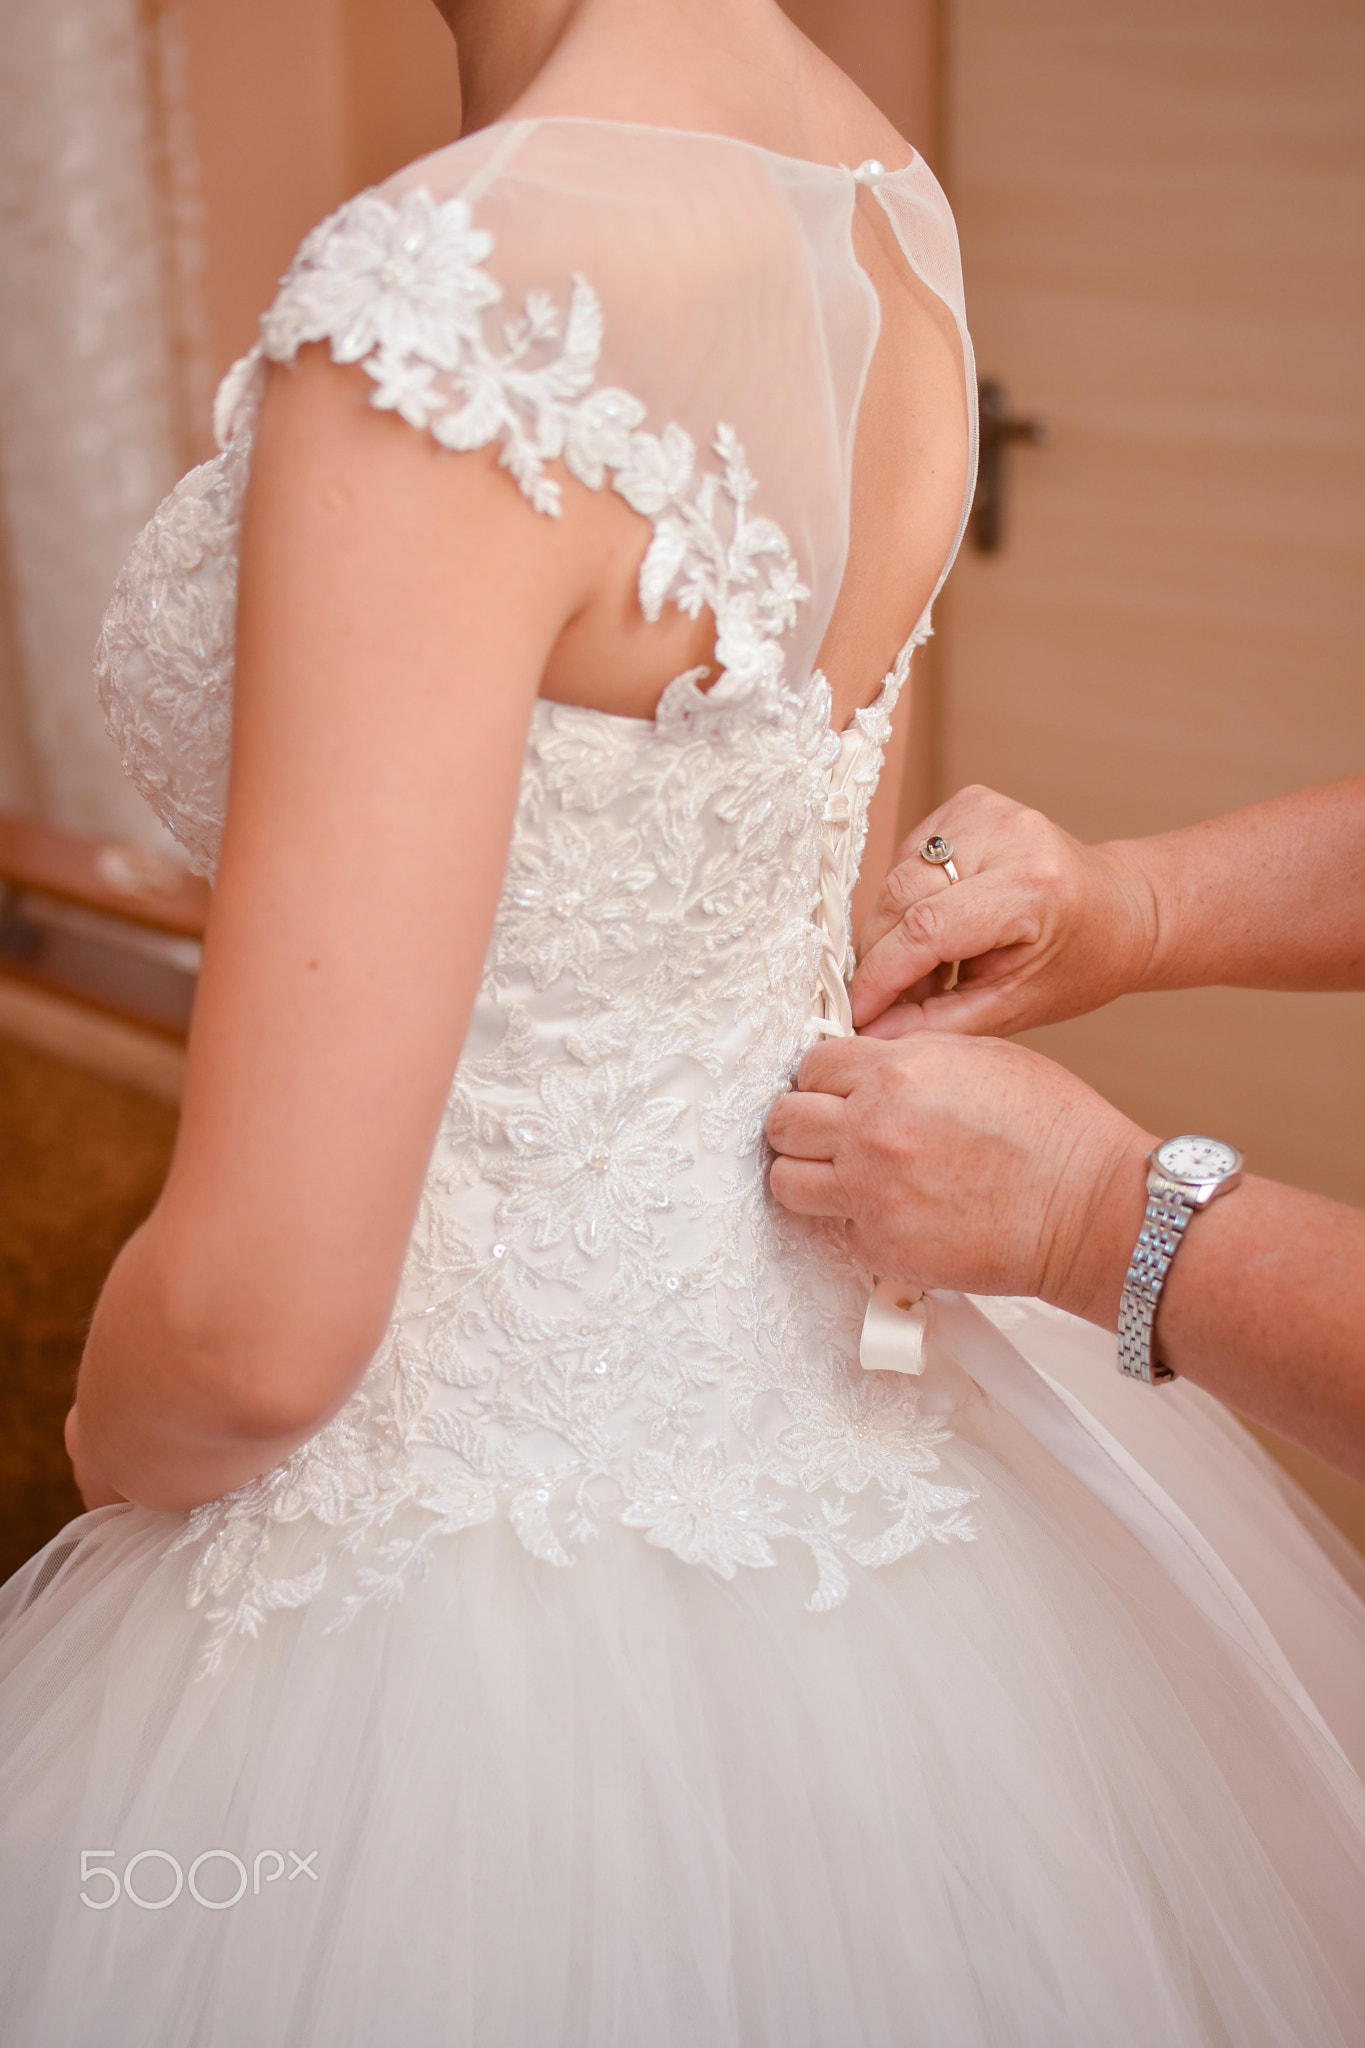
[(398, 606)]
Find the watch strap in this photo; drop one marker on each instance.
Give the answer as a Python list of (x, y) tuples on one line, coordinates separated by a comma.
[(1167, 1217)]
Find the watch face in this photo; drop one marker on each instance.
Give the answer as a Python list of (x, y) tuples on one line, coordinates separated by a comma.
[(1200, 1159)]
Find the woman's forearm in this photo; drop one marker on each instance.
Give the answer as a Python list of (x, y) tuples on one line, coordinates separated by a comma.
[(1269, 897), (1264, 1305)]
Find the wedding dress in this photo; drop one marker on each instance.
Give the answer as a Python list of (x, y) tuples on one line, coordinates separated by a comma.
[(625, 1664)]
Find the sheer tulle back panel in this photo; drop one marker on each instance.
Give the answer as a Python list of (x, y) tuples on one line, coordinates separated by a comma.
[(730, 296), (913, 461)]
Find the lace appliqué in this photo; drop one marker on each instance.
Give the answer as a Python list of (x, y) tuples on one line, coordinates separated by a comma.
[(602, 1318), (165, 656), (401, 291)]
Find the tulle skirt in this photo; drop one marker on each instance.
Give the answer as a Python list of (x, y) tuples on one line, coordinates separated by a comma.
[(1016, 1791)]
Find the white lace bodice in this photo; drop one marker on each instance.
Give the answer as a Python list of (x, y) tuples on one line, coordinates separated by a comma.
[(601, 1317)]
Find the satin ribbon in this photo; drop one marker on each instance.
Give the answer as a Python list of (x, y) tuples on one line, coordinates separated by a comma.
[(895, 1329)]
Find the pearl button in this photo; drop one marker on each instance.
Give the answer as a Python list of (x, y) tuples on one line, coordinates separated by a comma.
[(869, 172)]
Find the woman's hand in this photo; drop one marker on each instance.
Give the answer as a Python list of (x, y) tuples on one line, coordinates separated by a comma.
[(93, 1488), (1046, 928), (965, 1163)]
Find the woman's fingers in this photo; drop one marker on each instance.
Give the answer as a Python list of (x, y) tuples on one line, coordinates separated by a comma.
[(985, 829), (836, 1066), (963, 922), (992, 1000), (809, 1187), (1047, 928), (806, 1126), (909, 882), (805, 1129)]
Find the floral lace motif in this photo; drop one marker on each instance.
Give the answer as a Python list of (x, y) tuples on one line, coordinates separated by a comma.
[(602, 1318)]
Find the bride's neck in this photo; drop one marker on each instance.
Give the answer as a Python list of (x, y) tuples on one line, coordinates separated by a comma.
[(501, 47), (596, 50)]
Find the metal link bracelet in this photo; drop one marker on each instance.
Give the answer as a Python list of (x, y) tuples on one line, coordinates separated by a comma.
[(1164, 1224), (1185, 1175)]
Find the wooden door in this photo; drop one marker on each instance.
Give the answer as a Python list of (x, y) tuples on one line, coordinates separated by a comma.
[(1161, 207)]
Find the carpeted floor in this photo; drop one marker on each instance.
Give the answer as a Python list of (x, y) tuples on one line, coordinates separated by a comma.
[(81, 1163)]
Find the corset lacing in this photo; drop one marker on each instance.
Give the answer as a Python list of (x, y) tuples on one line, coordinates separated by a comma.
[(896, 1324), (831, 915)]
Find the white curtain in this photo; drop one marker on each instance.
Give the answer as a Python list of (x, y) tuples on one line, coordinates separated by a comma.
[(99, 368)]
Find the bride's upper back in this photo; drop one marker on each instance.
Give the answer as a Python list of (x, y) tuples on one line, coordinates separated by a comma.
[(763, 355), (747, 75)]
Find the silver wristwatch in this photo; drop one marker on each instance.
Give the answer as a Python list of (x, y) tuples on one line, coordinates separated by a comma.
[(1185, 1174)]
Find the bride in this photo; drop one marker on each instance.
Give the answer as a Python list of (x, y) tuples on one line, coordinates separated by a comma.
[(508, 1612)]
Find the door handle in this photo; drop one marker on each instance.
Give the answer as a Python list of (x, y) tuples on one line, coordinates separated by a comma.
[(998, 428)]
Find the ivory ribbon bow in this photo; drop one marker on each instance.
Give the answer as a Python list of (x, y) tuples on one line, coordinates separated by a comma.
[(896, 1324)]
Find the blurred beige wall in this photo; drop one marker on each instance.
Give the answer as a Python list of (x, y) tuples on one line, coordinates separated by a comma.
[(892, 49), (1161, 212), (294, 108)]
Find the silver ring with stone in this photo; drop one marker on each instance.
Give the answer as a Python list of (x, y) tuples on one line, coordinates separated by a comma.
[(938, 851)]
